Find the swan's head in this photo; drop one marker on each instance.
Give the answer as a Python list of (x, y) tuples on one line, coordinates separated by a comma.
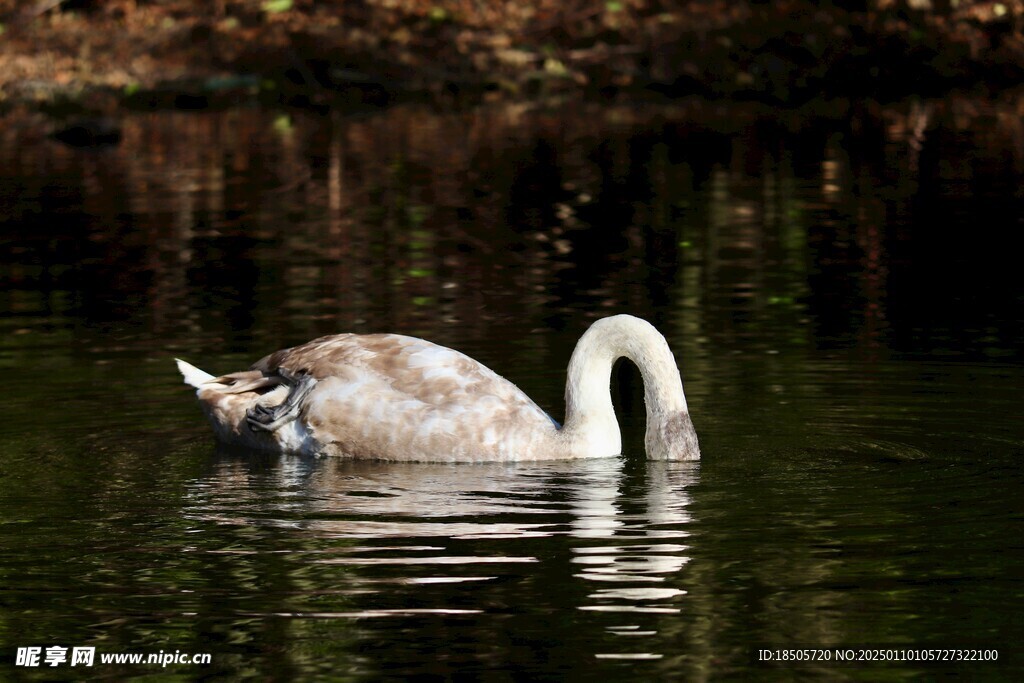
[(671, 436)]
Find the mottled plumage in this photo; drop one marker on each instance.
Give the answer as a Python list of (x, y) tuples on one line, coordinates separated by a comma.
[(392, 397)]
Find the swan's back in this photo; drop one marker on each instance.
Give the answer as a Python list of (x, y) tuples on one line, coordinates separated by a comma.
[(390, 397)]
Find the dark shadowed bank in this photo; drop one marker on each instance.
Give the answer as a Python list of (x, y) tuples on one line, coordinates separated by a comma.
[(191, 54)]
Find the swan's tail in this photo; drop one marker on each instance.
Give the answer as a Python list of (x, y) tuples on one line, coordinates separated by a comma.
[(193, 375)]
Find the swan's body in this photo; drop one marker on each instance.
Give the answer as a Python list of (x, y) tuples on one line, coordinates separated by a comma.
[(391, 397)]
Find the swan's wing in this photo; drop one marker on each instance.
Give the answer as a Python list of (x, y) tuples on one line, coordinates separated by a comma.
[(418, 369), (386, 394)]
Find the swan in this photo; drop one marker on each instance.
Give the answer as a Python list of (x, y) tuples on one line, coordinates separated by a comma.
[(393, 397)]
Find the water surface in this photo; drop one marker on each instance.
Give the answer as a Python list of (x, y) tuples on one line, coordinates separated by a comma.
[(836, 283)]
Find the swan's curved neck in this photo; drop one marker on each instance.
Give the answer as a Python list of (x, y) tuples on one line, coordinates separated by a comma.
[(589, 415)]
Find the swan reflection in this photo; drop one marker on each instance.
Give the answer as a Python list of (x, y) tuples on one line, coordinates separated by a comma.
[(402, 533)]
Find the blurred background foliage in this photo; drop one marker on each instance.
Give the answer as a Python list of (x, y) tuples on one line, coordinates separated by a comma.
[(783, 51)]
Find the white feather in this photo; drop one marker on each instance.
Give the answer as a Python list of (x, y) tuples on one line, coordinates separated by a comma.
[(193, 375)]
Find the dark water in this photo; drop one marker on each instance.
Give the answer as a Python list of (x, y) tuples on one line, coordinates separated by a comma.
[(839, 284)]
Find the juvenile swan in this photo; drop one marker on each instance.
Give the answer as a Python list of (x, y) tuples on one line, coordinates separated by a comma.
[(392, 397)]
